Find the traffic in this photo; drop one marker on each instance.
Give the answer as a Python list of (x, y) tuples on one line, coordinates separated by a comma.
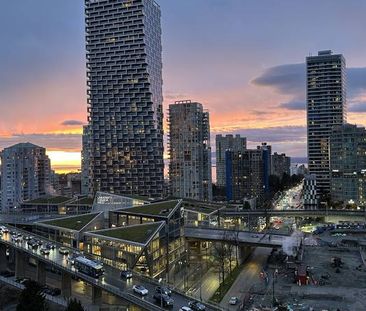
[(110, 278)]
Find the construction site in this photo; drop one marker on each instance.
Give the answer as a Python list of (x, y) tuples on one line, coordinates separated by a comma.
[(327, 273)]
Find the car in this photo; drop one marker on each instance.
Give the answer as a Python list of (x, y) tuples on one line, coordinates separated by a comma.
[(26, 237), (51, 291), (185, 309), (164, 300), (163, 290), (15, 239), (50, 246), (45, 251), (7, 273), (139, 289), (196, 306), (126, 274), (233, 300), (63, 250)]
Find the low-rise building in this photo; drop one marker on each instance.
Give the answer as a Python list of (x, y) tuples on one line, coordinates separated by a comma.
[(70, 230)]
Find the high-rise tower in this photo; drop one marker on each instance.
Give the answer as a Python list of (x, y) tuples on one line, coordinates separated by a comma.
[(326, 108), (124, 72), (25, 174), (189, 151)]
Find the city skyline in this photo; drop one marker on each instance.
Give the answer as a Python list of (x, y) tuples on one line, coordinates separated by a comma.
[(251, 80)]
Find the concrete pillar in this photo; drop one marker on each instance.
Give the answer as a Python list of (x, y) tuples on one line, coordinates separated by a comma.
[(66, 284), (97, 295), (244, 253), (11, 255), (41, 272), (20, 262), (3, 259)]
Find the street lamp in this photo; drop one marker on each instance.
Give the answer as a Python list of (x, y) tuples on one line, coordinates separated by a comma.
[(275, 272)]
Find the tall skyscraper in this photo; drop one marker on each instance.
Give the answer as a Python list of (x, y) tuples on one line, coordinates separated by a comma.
[(25, 174), (326, 107), (189, 151), (348, 165), (124, 72), (224, 143)]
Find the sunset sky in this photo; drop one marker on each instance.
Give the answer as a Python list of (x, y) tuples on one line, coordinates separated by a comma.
[(243, 59)]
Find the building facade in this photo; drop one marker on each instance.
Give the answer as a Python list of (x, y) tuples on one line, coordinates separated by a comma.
[(85, 160), (310, 194), (281, 164), (326, 108), (244, 175), (189, 151), (348, 165), (223, 143), (267, 165), (25, 174), (124, 78)]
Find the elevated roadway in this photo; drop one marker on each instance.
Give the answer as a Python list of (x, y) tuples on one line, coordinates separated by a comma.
[(232, 212), (110, 281), (239, 237)]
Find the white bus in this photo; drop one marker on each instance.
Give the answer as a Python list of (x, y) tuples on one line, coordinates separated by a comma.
[(89, 267)]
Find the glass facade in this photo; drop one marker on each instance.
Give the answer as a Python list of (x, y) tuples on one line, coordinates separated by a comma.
[(124, 72)]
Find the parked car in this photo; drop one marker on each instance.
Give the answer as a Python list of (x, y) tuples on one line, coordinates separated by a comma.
[(139, 289), (185, 309), (233, 301), (126, 274), (164, 300), (7, 273), (163, 290), (51, 291), (63, 250), (196, 306)]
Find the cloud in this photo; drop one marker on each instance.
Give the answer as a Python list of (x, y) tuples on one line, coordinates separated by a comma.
[(72, 122), (286, 79), (66, 142), (290, 80), (357, 107), (293, 105)]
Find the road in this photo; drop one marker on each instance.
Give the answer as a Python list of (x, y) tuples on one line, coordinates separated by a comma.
[(110, 281), (249, 276), (291, 198)]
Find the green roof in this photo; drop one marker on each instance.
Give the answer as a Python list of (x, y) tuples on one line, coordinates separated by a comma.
[(49, 200), (137, 233), (83, 201), (157, 209), (73, 223)]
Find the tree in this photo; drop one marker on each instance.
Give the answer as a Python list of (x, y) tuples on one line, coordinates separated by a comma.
[(31, 298), (74, 305)]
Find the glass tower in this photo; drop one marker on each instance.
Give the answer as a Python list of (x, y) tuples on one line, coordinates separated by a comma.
[(326, 108), (124, 78)]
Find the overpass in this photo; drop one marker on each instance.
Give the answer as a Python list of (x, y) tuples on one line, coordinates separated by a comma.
[(236, 237), (232, 212), (110, 282)]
